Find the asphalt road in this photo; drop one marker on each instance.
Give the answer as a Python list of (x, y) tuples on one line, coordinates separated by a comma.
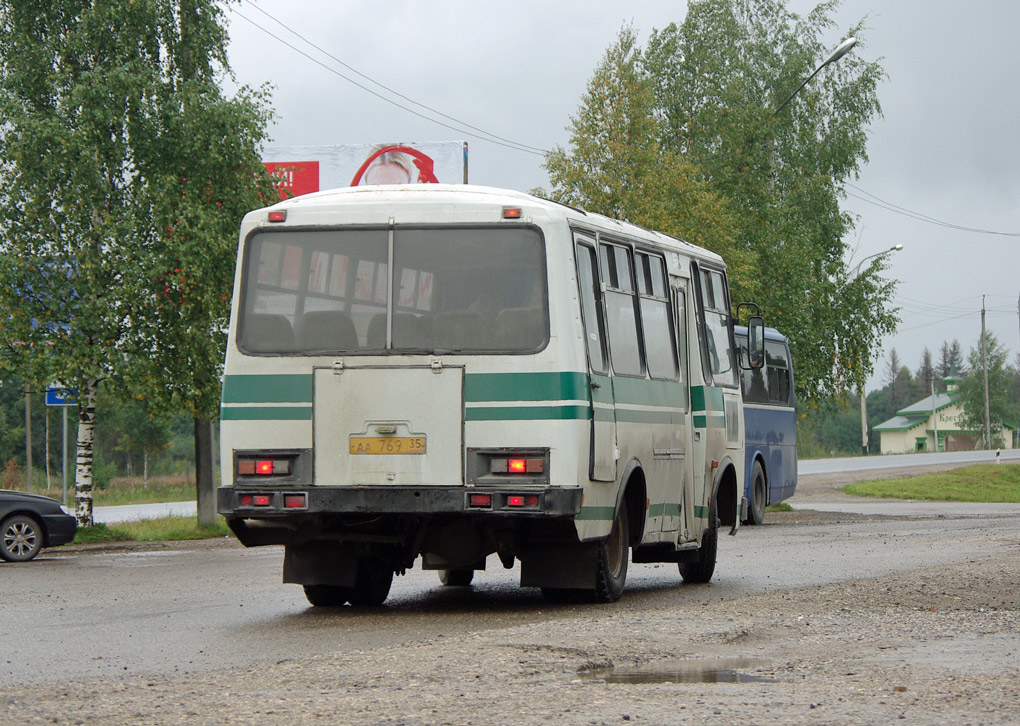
[(81, 613)]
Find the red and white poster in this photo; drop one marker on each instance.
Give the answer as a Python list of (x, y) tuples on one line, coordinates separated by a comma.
[(305, 169)]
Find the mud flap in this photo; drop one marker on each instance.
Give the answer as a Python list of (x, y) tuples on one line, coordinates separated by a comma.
[(319, 563), (567, 566)]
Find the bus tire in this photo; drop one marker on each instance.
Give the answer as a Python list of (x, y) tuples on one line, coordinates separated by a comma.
[(372, 583), (703, 569), (456, 578), (328, 596), (759, 495), (611, 559)]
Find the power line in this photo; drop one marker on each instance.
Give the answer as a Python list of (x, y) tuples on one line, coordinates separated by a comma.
[(889, 206), (460, 128)]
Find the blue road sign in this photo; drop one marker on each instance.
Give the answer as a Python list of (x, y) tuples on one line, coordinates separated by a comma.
[(60, 397)]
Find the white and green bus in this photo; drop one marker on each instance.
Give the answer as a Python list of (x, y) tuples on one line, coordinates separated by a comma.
[(454, 372)]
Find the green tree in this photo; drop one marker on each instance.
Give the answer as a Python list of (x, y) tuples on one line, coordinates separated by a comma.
[(204, 152), (92, 150), (771, 182), (1002, 407)]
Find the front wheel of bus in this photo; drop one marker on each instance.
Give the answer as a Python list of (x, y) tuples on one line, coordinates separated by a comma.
[(756, 507), (611, 563), (703, 569)]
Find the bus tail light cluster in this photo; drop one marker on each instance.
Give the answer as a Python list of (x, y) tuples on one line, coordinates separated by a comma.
[(263, 467), (260, 500), (504, 500), (508, 466), (516, 465)]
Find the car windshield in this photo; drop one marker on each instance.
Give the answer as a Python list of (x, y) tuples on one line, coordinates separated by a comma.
[(451, 289)]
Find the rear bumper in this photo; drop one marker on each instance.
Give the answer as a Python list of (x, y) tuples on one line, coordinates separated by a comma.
[(537, 502)]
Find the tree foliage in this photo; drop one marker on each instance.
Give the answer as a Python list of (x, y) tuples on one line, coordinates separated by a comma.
[(696, 109), (112, 259), (1002, 407)]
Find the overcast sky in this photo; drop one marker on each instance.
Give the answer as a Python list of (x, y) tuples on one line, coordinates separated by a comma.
[(947, 146)]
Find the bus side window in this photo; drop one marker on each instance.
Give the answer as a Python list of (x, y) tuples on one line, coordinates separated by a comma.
[(591, 308), (778, 364), (621, 310), (656, 322), (714, 327), (752, 380)]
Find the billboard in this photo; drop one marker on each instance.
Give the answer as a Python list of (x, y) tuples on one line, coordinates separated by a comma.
[(305, 169)]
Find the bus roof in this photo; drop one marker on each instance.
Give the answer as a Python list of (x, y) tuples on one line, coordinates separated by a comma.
[(475, 202), (770, 333)]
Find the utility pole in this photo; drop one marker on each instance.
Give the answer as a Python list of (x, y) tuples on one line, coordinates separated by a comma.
[(984, 371)]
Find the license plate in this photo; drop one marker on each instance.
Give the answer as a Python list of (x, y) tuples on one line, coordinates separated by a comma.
[(387, 444)]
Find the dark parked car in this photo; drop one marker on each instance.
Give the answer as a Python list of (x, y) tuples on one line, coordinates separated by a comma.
[(29, 522)]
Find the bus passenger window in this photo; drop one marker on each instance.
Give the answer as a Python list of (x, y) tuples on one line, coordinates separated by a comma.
[(778, 364), (591, 312), (621, 312), (715, 307), (656, 322)]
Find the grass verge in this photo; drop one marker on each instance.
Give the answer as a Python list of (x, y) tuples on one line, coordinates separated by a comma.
[(979, 483), (164, 529)]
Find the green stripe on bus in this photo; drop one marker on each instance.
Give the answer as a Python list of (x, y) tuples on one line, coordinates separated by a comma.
[(525, 387), (706, 398), (269, 388), (526, 413), (668, 509), (628, 415), (599, 514), (266, 413), (701, 512)]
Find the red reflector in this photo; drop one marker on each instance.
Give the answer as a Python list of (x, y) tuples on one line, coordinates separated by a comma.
[(262, 500), (294, 501), (480, 500), (511, 212), (246, 467), (532, 501), (246, 500), (515, 500), (264, 466), (516, 466), (279, 215)]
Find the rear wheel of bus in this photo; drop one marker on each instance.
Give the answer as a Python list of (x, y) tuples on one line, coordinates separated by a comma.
[(611, 559), (756, 507), (704, 568), (371, 587)]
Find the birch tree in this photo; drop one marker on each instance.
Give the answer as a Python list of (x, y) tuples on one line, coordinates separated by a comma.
[(775, 178), (88, 95)]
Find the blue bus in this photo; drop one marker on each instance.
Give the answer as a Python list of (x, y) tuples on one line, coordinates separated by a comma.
[(770, 427)]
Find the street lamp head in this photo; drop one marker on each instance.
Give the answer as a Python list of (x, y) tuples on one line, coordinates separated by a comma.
[(897, 248), (841, 51)]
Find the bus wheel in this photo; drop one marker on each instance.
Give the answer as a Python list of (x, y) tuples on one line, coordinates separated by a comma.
[(327, 596), (611, 563), (702, 570), (756, 507), (456, 578), (372, 583)]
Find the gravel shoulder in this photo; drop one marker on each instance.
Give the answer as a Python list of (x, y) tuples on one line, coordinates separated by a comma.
[(930, 646), (926, 647)]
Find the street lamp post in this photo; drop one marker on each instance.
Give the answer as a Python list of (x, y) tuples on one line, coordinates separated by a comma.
[(864, 398), (840, 51)]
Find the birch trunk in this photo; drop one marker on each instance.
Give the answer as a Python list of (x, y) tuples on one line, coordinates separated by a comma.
[(83, 460)]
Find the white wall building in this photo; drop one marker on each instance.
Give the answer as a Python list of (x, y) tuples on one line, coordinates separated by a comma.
[(916, 427)]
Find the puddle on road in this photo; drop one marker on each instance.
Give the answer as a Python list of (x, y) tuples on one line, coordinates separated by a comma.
[(726, 670)]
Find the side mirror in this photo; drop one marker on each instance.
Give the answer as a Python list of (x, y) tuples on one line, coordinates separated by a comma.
[(755, 342)]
